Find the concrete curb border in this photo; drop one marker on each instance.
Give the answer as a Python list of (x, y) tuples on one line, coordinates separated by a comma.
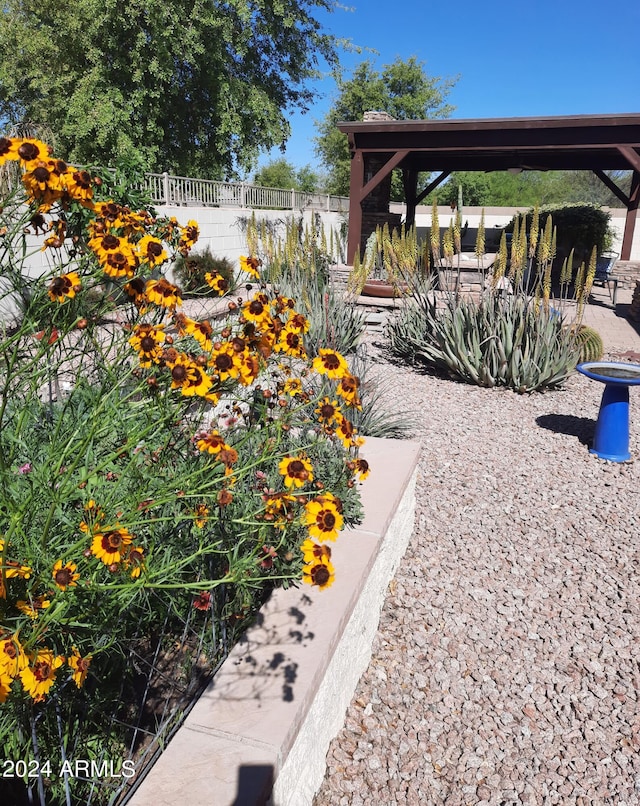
[(260, 732)]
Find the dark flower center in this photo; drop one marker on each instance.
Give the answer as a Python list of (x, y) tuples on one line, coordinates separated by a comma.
[(327, 411), (110, 242), (256, 308), (147, 343), (224, 362), (327, 520), (320, 575), (28, 151), (113, 540), (179, 373), (154, 249), (331, 361), (41, 671), (41, 174), (63, 576)]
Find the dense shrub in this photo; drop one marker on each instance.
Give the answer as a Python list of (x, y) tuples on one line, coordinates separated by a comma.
[(195, 270)]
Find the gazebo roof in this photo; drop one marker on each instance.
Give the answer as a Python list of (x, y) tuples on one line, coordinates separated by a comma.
[(595, 143), (578, 142)]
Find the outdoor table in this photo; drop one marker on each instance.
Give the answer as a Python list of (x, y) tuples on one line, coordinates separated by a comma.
[(611, 438)]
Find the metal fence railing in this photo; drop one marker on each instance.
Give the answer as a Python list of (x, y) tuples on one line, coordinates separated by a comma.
[(181, 190)]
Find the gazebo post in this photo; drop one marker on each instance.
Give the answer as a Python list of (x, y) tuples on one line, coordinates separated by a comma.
[(355, 205), (632, 213)]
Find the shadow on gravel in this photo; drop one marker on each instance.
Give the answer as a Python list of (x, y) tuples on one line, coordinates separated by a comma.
[(580, 427)]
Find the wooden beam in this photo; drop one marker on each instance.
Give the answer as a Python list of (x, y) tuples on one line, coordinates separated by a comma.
[(386, 169), (432, 186), (608, 181), (631, 156)]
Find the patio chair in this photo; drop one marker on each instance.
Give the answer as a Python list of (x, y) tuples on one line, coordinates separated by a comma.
[(603, 277)]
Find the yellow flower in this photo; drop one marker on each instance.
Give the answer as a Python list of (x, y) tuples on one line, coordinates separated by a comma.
[(361, 468), (162, 292), (348, 390), (314, 552), (224, 361), (331, 364), (80, 667), (5, 679), (202, 515), (320, 573), (146, 341), (200, 330), (217, 282), (30, 151), (188, 236), (31, 610), (290, 342), (38, 677), (250, 265), (212, 442), (297, 470), (135, 558), (64, 575), (110, 545), (347, 433), (257, 309), (292, 386), (9, 149), (328, 411), (64, 287), (151, 251), (323, 517), (12, 656), (79, 186)]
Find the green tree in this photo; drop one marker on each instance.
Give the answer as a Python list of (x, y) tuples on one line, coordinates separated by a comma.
[(504, 189), (193, 86), (401, 89), (280, 173)]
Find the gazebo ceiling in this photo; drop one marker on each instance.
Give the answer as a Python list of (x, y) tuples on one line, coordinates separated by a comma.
[(580, 142), (595, 143)]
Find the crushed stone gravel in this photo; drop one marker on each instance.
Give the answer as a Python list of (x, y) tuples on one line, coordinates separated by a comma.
[(506, 667)]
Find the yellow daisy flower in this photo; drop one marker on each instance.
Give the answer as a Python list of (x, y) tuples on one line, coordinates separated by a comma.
[(64, 287), (162, 292), (319, 573), (80, 667), (331, 364), (64, 575), (146, 340), (323, 517), (314, 552), (250, 265), (111, 545), (151, 251), (38, 677), (297, 470)]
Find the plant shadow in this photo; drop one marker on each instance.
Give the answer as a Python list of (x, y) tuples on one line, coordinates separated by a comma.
[(580, 427)]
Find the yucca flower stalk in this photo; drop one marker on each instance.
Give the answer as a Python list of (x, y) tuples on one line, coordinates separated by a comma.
[(434, 235), (480, 239), (500, 265)]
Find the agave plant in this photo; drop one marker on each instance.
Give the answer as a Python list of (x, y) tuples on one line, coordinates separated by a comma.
[(500, 341)]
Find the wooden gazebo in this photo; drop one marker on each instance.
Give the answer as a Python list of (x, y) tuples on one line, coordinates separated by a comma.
[(595, 143)]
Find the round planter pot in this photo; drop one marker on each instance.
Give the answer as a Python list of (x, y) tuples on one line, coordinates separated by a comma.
[(381, 288)]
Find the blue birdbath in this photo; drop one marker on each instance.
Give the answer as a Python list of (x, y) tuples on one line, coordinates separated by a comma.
[(611, 438)]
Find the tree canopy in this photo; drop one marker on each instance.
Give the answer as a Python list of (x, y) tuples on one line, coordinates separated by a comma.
[(401, 89), (280, 173), (503, 189), (191, 86)]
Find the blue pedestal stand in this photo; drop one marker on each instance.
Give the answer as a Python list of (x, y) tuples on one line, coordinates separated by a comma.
[(611, 438)]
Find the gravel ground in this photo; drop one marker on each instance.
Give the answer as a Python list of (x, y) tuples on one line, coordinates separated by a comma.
[(506, 668)]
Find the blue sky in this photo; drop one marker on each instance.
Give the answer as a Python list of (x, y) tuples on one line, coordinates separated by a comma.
[(513, 58)]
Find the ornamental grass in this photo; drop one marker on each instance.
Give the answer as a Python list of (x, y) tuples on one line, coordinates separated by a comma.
[(159, 474)]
